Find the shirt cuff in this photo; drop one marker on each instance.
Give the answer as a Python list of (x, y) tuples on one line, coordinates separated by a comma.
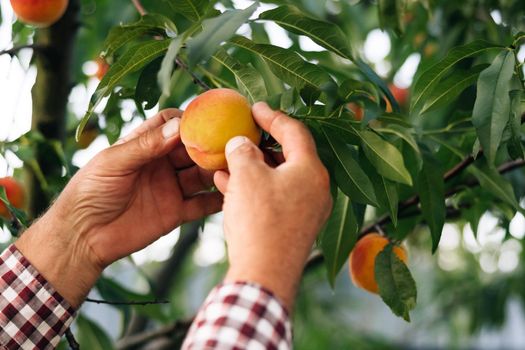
[(240, 315), (32, 314)]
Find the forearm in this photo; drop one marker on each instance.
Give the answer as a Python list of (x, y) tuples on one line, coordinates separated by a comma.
[(59, 256)]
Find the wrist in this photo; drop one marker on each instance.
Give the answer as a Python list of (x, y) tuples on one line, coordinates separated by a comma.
[(277, 278), (60, 257)]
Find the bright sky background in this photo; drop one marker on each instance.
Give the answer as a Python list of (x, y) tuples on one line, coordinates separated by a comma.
[(17, 78)]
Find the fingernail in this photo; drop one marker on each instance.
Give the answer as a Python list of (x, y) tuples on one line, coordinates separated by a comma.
[(234, 143), (171, 128), (261, 105)]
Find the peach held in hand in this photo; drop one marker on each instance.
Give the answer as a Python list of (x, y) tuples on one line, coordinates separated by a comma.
[(211, 120)]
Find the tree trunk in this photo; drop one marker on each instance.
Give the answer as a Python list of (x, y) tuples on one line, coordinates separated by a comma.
[(53, 60)]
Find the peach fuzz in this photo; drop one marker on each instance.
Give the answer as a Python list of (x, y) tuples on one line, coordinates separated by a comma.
[(211, 120), (363, 257), (40, 13)]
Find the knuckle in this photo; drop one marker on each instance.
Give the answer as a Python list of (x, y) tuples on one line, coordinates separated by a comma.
[(147, 142)]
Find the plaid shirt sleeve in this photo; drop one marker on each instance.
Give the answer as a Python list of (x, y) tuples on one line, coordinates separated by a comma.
[(32, 314), (239, 316)]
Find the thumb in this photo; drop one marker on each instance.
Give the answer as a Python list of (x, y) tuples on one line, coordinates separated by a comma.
[(150, 145), (243, 154)]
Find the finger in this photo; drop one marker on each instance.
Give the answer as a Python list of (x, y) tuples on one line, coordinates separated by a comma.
[(221, 178), (194, 179), (159, 119), (141, 150), (202, 205), (243, 155), (180, 158), (294, 137)]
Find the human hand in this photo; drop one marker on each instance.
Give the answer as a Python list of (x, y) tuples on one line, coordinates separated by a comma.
[(127, 197), (273, 215)]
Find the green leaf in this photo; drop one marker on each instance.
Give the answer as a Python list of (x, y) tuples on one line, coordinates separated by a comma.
[(134, 59), (19, 214), (215, 31), (91, 336), (451, 87), (515, 147), (431, 189), (385, 157), (431, 77), (349, 176), (397, 288), (193, 10), (325, 34), (168, 65), (391, 14), (286, 64), (371, 75), (339, 236), (149, 24), (401, 132), (492, 106), (248, 79), (147, 90), (493, 182)]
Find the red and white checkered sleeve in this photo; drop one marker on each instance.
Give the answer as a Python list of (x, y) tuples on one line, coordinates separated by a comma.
[(240, 316), (32, 314)]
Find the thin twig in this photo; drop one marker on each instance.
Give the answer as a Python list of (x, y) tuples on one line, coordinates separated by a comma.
[(143, 303), (73, 344), (133, 341), (316, 256), (195, 78), (140, 9)]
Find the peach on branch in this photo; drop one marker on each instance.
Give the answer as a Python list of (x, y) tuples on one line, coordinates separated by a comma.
[(15, 195), (40, 13)]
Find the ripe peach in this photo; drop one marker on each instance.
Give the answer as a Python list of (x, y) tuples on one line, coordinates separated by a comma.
[(401, 96), (211, 120), (15, 195), (358, 111), (363, 257), (102, 68), (40, 13)]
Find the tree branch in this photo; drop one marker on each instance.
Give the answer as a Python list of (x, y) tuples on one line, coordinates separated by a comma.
[(136, 340), (139, 7), (143, 303), (316, 256), (195, 78), (73, 344)]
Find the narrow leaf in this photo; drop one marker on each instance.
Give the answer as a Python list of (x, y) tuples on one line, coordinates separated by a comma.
[(492, 107), (451, 87), (396, 285), (431, 77), (135, 58), (431, 189), (193, 10), (515, 147), (349, 176), (149, 24), (286, 64), (492, 181), (248, 78), (339, 236), (325, 34), (385, 157), (168, 64), (215, 31), (91, 336)]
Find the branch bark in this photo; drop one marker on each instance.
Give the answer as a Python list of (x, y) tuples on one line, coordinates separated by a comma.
[(50, 96)]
